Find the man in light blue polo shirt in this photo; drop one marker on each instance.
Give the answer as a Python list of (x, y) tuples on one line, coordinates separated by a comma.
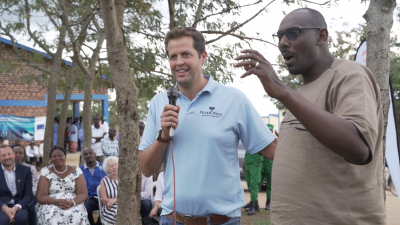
[(212, 118)]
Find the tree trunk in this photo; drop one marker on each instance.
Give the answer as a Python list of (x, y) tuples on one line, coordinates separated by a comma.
[(67, 97), (129, 175), (87, 112), (51, 99), (379, 17)]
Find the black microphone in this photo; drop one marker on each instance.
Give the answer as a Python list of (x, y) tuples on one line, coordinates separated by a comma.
[(172, 94)]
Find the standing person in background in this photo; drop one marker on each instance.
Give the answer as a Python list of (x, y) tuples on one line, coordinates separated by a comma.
[(98, 133), (104, 124), (66, 134), (80, 126), (93, 173), (80, 138), (20, 159), (32, 154), (73, 137), (266, 172), (141, 129), (109, 145), (252, 169), (55, 131)]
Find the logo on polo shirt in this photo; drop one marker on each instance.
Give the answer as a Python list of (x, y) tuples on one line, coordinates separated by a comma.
[(211, 113)]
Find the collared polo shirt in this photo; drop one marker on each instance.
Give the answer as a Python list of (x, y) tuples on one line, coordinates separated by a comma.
[(205, 149)]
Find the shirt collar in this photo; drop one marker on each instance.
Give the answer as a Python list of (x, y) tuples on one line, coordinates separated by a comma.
[(85, 166), (7, 170), (210, 87)]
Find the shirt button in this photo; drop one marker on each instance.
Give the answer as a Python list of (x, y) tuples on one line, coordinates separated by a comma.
[(187, 104)]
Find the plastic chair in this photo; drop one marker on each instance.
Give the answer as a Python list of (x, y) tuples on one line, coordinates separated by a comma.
[(154, 184), (101, 206)]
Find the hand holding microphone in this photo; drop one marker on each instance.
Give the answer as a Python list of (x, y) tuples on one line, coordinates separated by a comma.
[(169, 116)]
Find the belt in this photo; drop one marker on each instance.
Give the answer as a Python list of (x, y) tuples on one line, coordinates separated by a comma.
[(192, 220)]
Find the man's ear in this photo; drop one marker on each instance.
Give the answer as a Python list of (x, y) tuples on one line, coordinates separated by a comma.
[(203, 57), (323, 36)]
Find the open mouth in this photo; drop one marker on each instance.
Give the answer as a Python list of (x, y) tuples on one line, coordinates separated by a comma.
[(288, 58), (181, 71)]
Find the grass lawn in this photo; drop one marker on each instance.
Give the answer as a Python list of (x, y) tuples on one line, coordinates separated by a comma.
[(259, 218)]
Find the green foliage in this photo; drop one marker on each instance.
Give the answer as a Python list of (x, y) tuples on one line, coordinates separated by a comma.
[(145, 29)]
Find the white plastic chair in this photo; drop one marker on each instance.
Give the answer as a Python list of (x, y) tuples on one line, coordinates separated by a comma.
[(154, 184), (101, 206)]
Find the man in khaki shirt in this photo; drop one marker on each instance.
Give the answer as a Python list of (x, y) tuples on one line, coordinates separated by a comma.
[(328, 164)]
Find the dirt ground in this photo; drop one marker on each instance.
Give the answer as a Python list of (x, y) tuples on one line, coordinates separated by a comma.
[(262, 217)]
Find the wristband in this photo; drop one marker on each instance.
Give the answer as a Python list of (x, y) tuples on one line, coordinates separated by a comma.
[(73, 202)]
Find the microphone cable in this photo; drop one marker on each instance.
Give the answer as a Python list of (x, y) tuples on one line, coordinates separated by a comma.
[(173, 172)]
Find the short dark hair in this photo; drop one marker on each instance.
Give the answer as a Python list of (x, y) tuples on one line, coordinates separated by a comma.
[(18, 145), (58, 148), (316, 18), (96, 115), (199, 43)]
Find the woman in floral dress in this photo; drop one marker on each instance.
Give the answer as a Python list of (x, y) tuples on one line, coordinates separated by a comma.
[(61, 192)]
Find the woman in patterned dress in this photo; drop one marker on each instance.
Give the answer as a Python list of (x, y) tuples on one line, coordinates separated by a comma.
[(19, 151), (61, 192), (109, 189)]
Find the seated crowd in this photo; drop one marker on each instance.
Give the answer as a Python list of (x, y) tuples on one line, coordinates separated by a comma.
[(65, 194)]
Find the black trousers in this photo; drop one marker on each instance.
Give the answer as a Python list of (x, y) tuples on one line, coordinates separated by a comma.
[(92, 204), (32, 213), (21, 218), (145, 208)]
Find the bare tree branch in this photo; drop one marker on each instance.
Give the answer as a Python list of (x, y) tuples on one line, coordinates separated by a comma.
[(28, 27), (240, 25), (327, 2), (224, 11), (49, 14), (146, 34), (171, 7), (243, 38), (196, 18)]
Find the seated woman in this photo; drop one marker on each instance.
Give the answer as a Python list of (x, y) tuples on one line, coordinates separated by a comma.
[(20, 159), (158, 198), (61, 192), (109, 189)]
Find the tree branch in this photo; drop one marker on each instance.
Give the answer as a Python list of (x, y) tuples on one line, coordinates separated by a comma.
[(240, 25), (196, 18), (171, 7), (28, 27), (316, 2), (225, 10), (15, 48), (146, 34), (243, 38)]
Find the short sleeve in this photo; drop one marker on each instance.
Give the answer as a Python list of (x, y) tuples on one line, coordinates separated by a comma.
[(252, 130), (355, 97)]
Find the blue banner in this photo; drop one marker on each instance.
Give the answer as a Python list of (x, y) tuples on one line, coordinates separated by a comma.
[(14, 127)]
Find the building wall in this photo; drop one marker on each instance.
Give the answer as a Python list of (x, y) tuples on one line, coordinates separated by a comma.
[(14, 85)]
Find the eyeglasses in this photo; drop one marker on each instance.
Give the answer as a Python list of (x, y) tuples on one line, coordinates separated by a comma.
[(291, 33)]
